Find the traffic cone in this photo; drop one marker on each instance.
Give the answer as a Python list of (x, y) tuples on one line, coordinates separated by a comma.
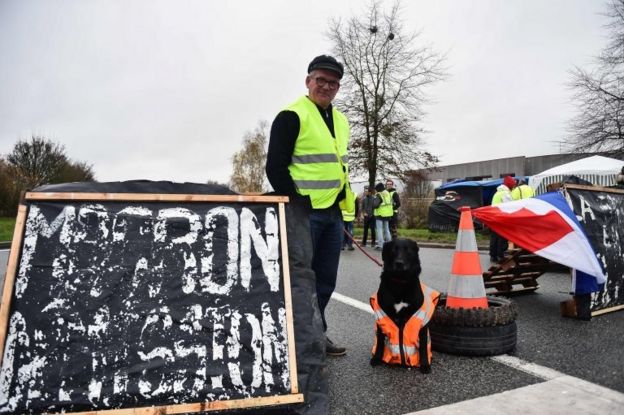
[(466, 288)]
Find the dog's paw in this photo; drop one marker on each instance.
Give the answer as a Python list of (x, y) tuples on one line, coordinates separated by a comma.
[(425, 369), (375, 362)]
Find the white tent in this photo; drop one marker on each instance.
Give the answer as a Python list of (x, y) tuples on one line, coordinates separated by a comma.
[(599, 170)]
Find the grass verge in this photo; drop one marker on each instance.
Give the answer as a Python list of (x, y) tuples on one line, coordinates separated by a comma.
[(420, 235), (6, 229), (425, 235)]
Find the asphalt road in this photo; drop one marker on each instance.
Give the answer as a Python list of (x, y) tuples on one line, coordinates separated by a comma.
[(592, 351)]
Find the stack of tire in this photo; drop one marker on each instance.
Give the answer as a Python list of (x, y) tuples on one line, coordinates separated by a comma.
[(475, 331)]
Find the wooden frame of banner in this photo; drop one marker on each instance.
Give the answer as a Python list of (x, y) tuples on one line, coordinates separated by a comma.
[(9, 281), (595, 188), (601, 189)]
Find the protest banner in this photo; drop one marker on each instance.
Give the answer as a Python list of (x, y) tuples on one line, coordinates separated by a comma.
[(167, 302), (600, 210)]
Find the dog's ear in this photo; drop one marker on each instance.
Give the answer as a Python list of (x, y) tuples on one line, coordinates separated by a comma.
[(385, 252), (415, 258), (415, 245)]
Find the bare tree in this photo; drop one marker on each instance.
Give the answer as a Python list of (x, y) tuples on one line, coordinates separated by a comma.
[(599, 94), (36, 161), (248, 174), (417, 196), (383, 91)]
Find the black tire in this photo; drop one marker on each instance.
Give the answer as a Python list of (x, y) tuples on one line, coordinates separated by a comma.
[(500, 311), (474, 341)]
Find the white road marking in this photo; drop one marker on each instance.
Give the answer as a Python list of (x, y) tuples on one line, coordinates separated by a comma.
[(352, 302), (528, 367)]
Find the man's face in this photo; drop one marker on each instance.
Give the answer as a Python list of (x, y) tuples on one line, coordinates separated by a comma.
[(389, 184), (322, 86)]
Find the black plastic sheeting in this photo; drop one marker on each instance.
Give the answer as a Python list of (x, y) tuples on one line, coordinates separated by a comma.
[(136, 186), (444, 212), (309, 336)]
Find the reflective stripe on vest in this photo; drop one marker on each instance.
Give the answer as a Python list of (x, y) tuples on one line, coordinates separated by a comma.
[(411, 331), (385, 209), (318, 165), (315, 158)]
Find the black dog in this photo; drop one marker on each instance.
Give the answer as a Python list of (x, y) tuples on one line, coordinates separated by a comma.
[(400, 294)]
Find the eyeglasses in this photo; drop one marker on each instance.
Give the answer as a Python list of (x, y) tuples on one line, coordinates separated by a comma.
[(320, 81)]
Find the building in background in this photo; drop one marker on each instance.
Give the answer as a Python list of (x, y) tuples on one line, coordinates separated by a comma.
[(497, 168)]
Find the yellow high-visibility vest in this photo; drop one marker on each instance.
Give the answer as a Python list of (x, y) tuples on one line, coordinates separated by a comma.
[(524, 191), (319, 165), (385, 209), (348, 216), (500, 196)]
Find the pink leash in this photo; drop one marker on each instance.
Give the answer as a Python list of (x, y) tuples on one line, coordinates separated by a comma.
[(362, 249)]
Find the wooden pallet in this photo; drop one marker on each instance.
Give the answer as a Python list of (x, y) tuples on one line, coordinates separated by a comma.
[(520, 268)]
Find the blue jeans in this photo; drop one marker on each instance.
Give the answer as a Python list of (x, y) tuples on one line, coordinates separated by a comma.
[(346, 240), (326, 229), (383, 231)]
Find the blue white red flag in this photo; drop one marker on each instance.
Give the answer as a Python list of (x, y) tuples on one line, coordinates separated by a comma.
[(546, 226)]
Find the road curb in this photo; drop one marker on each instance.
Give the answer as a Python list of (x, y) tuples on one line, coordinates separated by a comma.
[(5, 244), (434, 245), (445, 245)]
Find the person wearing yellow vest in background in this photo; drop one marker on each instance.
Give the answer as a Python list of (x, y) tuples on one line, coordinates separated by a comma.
[(307, 160), (396, 204), (522, 191), (498, 244), (383, 213), (348, 217)]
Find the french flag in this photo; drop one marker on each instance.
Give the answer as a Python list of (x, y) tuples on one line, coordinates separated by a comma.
[(546, 226)]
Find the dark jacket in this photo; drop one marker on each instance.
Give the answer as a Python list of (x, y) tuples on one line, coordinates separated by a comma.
[(367, 205)]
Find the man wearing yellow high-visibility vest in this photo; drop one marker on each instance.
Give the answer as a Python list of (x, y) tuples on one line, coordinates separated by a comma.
[(307, 158), (383, 214)]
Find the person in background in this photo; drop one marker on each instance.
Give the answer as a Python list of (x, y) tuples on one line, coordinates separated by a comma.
[(368, 217), (393, 223), (383, 212), (308, 159), (498, 244), (522, 191), (348, 217)]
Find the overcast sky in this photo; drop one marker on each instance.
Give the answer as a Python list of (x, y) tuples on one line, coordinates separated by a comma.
[(165, 90)]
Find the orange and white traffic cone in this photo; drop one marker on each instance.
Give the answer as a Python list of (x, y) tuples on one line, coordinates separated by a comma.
[(466, 288)]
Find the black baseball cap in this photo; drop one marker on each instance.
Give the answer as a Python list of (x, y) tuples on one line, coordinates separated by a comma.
[(328, 63)]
